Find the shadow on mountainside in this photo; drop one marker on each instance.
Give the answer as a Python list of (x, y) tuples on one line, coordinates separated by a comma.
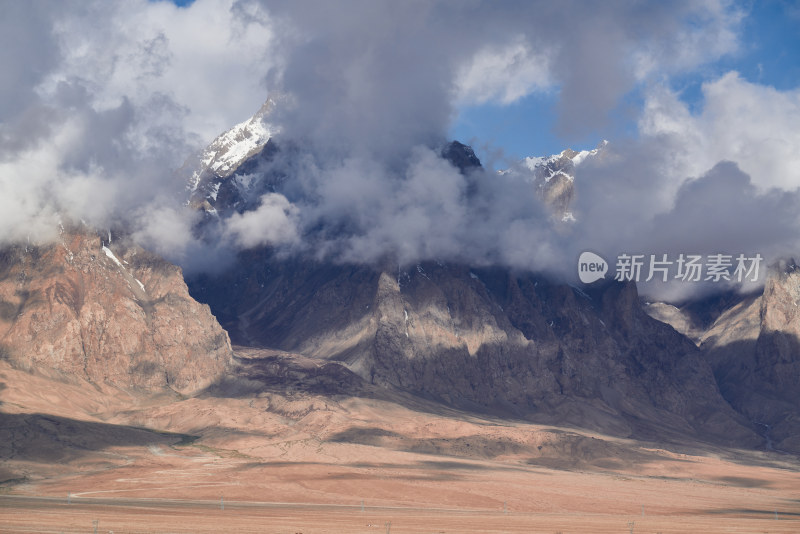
[(759, 378), (557, 449), (306, 381), (261, 370), (491, 342), (257, 370), (54, 440)]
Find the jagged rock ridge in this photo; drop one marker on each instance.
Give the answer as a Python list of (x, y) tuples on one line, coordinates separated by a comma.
[(106, 312), (753, 344), (482, 339)]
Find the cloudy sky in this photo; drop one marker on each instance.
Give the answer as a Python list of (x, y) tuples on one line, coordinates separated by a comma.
[(101, 101)]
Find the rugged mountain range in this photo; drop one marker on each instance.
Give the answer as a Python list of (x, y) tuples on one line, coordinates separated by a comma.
[(753, 345), (485, 339), (489, 339), (110, 313), (492, 338)]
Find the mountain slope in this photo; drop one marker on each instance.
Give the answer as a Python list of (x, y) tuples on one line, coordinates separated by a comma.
[(754, 347), (210, 175), (108, 313), (485, 339)]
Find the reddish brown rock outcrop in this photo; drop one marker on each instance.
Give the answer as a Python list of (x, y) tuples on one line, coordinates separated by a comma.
[(112, 314)]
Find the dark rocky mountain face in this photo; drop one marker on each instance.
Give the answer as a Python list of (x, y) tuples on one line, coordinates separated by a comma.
[(461, 156), (486, 339), (494, 339), (241, 188), (108, 313), (754, 347)]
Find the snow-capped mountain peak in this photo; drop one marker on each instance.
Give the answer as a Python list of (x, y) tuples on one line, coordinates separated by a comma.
[(563, 163), (553, 177), (225, 153)]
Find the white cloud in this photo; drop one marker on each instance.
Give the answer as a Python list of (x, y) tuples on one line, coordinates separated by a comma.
[(274, 222), (504, 74), (710, 31), (750, 124), (166, 230), (209, 58), (36, 191), (104, 101), (417, 216), (108, 98)]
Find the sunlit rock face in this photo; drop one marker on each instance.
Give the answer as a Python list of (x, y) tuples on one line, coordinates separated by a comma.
[(86, 308)]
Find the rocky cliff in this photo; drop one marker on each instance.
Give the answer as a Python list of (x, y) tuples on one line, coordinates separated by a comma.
[(492, 339), (486, 339), (754, 347), (106, 312)]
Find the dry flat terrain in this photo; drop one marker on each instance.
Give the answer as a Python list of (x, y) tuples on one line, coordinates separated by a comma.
[(288, 459)]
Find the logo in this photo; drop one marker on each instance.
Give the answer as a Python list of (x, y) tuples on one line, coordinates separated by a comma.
[(591, 267), (719, 268)]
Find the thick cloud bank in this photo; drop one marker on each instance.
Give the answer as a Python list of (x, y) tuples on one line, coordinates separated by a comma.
[(101, 102)]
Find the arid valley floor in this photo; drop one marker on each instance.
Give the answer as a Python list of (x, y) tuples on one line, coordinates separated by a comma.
[(288, 460)]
